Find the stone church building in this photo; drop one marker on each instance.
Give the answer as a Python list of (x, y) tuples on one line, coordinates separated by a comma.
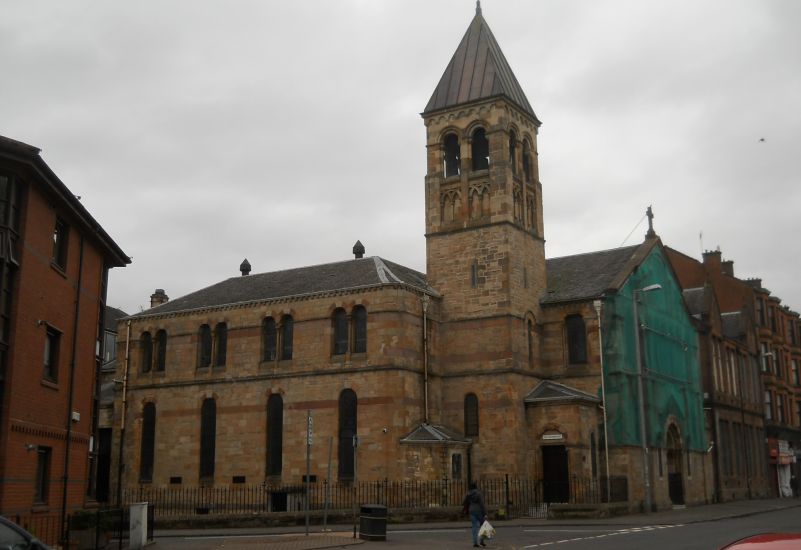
[(493, 362)]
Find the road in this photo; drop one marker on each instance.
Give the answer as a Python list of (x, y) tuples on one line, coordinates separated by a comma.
[(612, 535)]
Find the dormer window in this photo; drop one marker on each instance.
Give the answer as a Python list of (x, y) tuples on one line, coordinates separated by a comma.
[(451, 151)]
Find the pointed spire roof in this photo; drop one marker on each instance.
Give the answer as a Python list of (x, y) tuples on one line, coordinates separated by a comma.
[(478, 70)]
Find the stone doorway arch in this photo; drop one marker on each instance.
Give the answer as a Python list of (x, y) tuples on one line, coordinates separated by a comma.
[(674, 466)]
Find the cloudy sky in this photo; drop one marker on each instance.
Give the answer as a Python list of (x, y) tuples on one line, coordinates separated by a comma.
[(201, 133)]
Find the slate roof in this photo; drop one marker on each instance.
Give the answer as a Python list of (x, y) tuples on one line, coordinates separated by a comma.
[(585, 276), (478, 70), (733, 324), (112, 316), (427, 433), (302, 281), (553, 392), (694, 298)]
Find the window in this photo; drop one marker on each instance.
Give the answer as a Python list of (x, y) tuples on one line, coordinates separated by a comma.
[(794, 372), (275, 434), (791, 331), (764, 356), (60, 239), (456, 466), (208, 438), (52, 343), (287, 326), (347, 432), (147, 351), (760, 307), (359, 329), (798, 413), (513, 152), (778, 362), (451, 151), (471, 415), (204, 347), (220, 344), (340, 321), (780, 409), (530, 337), (148, 445), (269, 337), (526, 160), (576, 339), (42, 487), (768, 406), (480, 150), (161, 350), (772, 318)]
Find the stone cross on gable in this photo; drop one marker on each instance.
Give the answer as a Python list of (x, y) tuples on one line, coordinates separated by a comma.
[(651, 233)]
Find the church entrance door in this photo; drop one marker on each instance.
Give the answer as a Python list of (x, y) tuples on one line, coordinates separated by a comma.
[(675, 481), (556, 481)]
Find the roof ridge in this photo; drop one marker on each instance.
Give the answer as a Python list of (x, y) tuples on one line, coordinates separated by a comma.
[(619, 248)]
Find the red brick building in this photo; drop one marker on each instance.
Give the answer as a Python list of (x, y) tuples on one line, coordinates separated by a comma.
[(54, 262)]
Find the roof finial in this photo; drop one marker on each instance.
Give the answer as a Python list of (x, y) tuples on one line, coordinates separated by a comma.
[(478, 7)]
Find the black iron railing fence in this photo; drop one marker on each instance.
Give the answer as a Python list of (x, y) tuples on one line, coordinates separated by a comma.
[(516, 497), (45, 527)]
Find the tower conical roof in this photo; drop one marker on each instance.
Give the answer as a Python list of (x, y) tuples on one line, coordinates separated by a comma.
[(478, 70)]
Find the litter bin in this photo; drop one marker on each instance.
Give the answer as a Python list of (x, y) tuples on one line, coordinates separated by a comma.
[(373, 522)]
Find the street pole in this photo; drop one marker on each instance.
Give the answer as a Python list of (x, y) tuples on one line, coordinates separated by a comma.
[(646, 461), (597, 305), (355, 489)]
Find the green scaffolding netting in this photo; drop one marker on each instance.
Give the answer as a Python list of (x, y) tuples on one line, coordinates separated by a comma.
[(669, 351)]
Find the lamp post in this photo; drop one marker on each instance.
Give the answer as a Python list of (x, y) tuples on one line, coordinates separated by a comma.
[(597, 304), (646, 463)]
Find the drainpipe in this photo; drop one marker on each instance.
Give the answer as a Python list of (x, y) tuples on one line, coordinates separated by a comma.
[(70, 394), (122, 411), (598, 304), (424, 300)]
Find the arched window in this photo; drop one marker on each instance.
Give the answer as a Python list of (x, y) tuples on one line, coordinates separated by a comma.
[(161, 350), (269, 337), (204, 347), (208, 438), (148, 444), (340, 321), (513, 151), (147, 352), (275, 434), (286, 337), (347, 429), (221, 344), (451, 152), (576, 339), (526, 160), (471, 415), (480, 149), (359, 329)]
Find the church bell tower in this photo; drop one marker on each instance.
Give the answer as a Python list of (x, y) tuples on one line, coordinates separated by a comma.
[(484, 225)]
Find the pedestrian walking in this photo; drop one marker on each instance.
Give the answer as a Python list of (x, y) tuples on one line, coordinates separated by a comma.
[(473, 505)]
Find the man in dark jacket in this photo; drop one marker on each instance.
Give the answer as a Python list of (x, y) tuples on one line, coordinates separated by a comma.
[(473, 504)]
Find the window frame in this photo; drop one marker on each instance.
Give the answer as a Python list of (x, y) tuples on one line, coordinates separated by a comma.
[(471, 415), (41, 488), (576, 339), (220, 345), (451, 155), (359, 318), (208, 439), (275, 434), (269, 334), (61, 234), (160, 357), (52, 353), (146, 354), (479, 149), (339, 320), (147, 448), (205, 345), (287, 337), (348, 409)]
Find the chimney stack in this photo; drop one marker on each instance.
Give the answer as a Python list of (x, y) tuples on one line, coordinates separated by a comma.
[(712, 260), (244, 267), (159, 297), (358, 250), (727, 267)]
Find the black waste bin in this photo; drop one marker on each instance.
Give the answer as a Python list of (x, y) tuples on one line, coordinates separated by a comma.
[(373, 522)]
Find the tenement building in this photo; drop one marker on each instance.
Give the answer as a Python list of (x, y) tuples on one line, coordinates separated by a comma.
[(495, 361)]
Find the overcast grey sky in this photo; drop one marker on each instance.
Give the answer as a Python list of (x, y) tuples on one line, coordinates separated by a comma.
[(201, 133)]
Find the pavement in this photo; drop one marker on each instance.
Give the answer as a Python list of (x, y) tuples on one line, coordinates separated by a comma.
[(340, 536)]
